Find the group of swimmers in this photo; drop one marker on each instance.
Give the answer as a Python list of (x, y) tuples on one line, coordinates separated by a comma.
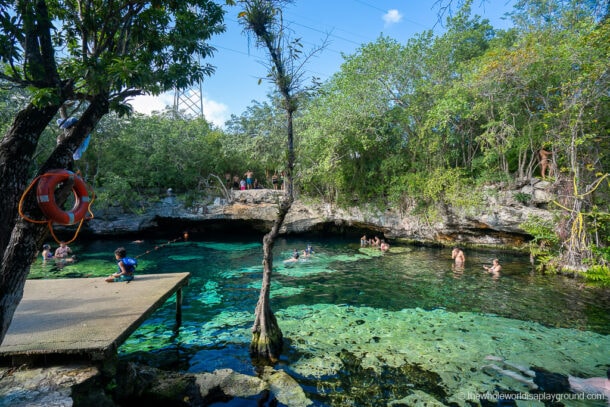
[(61, 256), (305, 253), (375, 242), (459, 258)]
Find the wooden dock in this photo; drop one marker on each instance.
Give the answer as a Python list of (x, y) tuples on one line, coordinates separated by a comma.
[(84, 318)]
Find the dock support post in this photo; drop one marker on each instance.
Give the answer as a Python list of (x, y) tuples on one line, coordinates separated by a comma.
[(178, 308)]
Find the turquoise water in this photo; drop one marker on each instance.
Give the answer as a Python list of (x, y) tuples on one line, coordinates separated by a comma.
[(362, 328)]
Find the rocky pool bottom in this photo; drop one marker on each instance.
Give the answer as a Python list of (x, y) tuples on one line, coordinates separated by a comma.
[(346, 356), (365, 329)]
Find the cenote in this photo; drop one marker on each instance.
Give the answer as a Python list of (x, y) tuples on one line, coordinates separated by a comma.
[(363, 328)]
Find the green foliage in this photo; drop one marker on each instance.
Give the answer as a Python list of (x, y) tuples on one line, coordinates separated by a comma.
[(131, 48), (140, 156), (116, 191), (522, 197), (541, 230), (598, 275), (256, 140), (544, 244)]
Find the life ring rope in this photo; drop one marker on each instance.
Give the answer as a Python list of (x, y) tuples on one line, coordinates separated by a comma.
[(50, 222)]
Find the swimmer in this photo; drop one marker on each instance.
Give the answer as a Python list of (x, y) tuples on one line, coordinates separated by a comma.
[(295, 257), (47, 254), (494, 268), (539, 379), (63, 254), (458, 256), (384, 246)]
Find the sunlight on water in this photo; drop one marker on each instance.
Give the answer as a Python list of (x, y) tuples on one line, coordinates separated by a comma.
[(363, 328)]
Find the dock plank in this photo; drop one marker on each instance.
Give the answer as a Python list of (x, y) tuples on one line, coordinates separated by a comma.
[(84, 316)]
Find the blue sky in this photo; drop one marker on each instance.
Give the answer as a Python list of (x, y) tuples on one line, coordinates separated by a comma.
[(347, 23)]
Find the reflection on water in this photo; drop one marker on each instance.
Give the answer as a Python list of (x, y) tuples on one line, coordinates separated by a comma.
[(364, 328)]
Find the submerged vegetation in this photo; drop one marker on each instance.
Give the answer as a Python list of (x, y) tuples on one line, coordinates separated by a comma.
[(409, 125)]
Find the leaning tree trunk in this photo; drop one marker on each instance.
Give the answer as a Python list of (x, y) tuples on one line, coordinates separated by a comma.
[(267, 338), (16, 151), (24, 238)]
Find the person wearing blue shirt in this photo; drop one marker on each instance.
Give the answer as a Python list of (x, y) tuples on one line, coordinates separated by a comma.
[(126, 266)]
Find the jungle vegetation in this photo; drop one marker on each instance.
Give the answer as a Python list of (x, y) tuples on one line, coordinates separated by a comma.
[(72, 59), (408, 125)]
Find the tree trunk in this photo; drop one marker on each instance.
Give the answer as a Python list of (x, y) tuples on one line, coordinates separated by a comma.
[(267, 338), (21, 239)]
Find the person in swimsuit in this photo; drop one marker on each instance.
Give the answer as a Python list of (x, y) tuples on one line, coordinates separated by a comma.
[(294, 257), (458, 256), (541, 380), (62, 251), (274, 180), (249, 179), (545, 163), (495, 268), (63, 254), (47, 254)]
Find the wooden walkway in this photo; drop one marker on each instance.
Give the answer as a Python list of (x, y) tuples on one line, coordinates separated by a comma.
[(84, 318)]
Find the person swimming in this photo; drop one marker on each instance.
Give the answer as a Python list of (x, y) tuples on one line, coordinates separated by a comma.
[(294, 257)]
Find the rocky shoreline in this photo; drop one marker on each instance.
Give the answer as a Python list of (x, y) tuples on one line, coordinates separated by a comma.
[(496, 222), (132, 384)]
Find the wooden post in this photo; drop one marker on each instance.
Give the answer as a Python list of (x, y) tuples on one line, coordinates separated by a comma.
[(178, 308)]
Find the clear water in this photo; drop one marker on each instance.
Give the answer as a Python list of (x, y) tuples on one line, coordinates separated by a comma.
[(362, 328)]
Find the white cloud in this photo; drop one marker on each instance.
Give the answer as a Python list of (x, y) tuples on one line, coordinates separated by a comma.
[(214, 112), (393, 16), (148, 104)]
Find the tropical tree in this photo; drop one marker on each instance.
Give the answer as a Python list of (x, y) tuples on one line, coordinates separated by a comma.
[(94, 55), (395, 111), (263, 18), (558, 76), (584, 104), (256, 138), (355, 123)]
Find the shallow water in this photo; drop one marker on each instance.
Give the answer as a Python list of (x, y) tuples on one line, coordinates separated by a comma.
[(362, 328)]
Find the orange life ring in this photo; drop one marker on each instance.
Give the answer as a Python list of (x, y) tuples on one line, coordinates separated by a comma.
[(45, 194)]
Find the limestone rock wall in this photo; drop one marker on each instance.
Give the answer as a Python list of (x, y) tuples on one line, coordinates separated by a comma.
[(495, 222)]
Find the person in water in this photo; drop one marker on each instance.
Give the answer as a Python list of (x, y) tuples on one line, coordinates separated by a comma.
[(494, 268), (63, 251), (458, 256), (47, 254), (541, 380), (294, 257), (63, 254), (126, 266), (384, 246)]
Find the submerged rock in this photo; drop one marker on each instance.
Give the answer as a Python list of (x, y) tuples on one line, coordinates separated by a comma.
[(229, 383), (431, 357), (132, 384), (285, 389), (53, 386)]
